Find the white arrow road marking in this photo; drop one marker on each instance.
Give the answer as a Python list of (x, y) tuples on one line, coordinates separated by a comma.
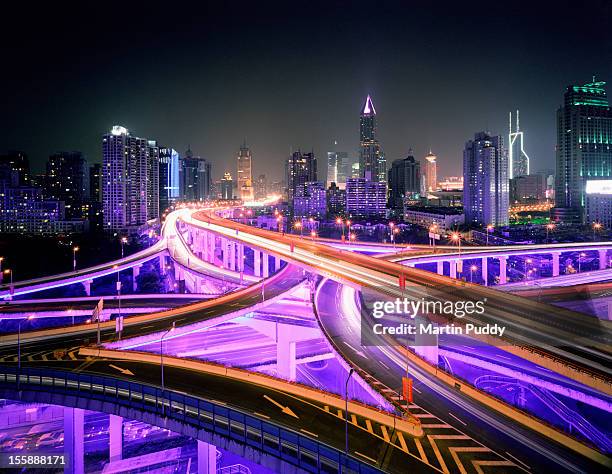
[(284, 409), (123, 371)]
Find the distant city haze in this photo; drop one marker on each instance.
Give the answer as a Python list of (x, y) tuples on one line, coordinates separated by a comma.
[(286, 77)]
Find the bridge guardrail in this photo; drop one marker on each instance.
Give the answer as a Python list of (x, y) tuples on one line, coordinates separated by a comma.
[(288, 445)]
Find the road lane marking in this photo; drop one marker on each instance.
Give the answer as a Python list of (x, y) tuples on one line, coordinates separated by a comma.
[(384, 365), (464, 449), (479, 470), (326, 408), (460, 421), (369, 426), (421, 451), (383, 428), (341, 414), (122, 370), (436, 425), (518, 460), (285, 409), (261, 414), (367, 457), (353, 419), (309, 433), (402, 441)]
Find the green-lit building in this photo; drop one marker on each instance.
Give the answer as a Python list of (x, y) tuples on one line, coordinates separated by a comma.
[(584, 144)]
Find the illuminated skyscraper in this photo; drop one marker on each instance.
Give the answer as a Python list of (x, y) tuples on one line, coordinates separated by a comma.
[(301, 168), (128, 165), (227, 187), (261, 187), (169, 182), (518, 161), (431, 172), (584, 143), (372, 164), (404, 181), (67, 180), (195, 176), (486, 187), (244, 176), (338, 167)]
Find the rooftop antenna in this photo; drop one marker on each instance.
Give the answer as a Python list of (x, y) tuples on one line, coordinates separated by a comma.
[(517, 120)]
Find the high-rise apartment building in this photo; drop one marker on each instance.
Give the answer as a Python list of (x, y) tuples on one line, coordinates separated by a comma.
[(372, 164), (336, 201), (195, 176), (404, 181), (300, 168), (128, 177), (365, 199), (518, 161), (227, 187), (17, 162), (67, 180), (261, 187), (245, 173), (338, 167), (169, 177), (584, 143), (310, 201), (430, 177), (485, 176)]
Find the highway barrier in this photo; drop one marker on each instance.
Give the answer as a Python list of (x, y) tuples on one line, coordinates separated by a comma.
[(290, 446), (409, 426)]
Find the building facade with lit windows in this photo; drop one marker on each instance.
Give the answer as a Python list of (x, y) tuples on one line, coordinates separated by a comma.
[(300, 168), (404, 181), (485, 181), (599, 203), (227, 187), (430, 176), (195, 176), (584, 143), (372, 164), (244, 176), (310, 201), (365, 199), (169, 177), (444, 218), (127, 181)]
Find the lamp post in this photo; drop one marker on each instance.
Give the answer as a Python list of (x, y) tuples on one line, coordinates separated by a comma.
[(456, 237), (346, 443), (473, 268), (123, 242), (74, 251), (550, 226), (1, 273), (19, 348), (8, 271), (348, 227), (393, 234), (313, 234), (527, 261), (433, 230), (489, 230), (298, 225), (340, 222), (391, 226), (161, 361), (596, 227), (580, 256)]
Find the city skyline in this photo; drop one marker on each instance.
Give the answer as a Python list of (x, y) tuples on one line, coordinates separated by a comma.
[(420, 110)]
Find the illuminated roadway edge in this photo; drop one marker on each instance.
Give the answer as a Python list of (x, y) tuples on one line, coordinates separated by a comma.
[(360, 270)]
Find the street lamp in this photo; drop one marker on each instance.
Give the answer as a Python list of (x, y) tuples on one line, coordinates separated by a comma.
[(550, 226), (1, 273), (473, 268), (346, 446), (161, 360), (313, 234), (123, 242), (527, 261), (340, 222), (353, 237), (8, 271), (456, 237), (489, 230), (74, 251), (298, 225), (30, 317), (596, 227), (580, 257), (433, 230)]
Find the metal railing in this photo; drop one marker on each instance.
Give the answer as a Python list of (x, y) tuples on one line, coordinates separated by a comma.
[(290, 446)]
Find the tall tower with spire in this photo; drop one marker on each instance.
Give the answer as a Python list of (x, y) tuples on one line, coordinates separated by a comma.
[(245, 173), (372, 164), (431, 172), (518, 161)]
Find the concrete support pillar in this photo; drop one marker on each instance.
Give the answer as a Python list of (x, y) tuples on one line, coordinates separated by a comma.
[(207, 458), (212, 242), (425, 345), (225, 250), (485, 271), (257, 262), (232, 255), (603, 259), (135, 273), (115, 443), (555, 264), (240, 258), (197, 285), (277, 263), (87, 285), (503, 270), (285, 353), (440, 267), (266, 265), (453, 268), (162, 264), (73, 440)]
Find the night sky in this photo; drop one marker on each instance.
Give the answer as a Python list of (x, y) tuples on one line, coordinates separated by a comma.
[(294, 75)]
